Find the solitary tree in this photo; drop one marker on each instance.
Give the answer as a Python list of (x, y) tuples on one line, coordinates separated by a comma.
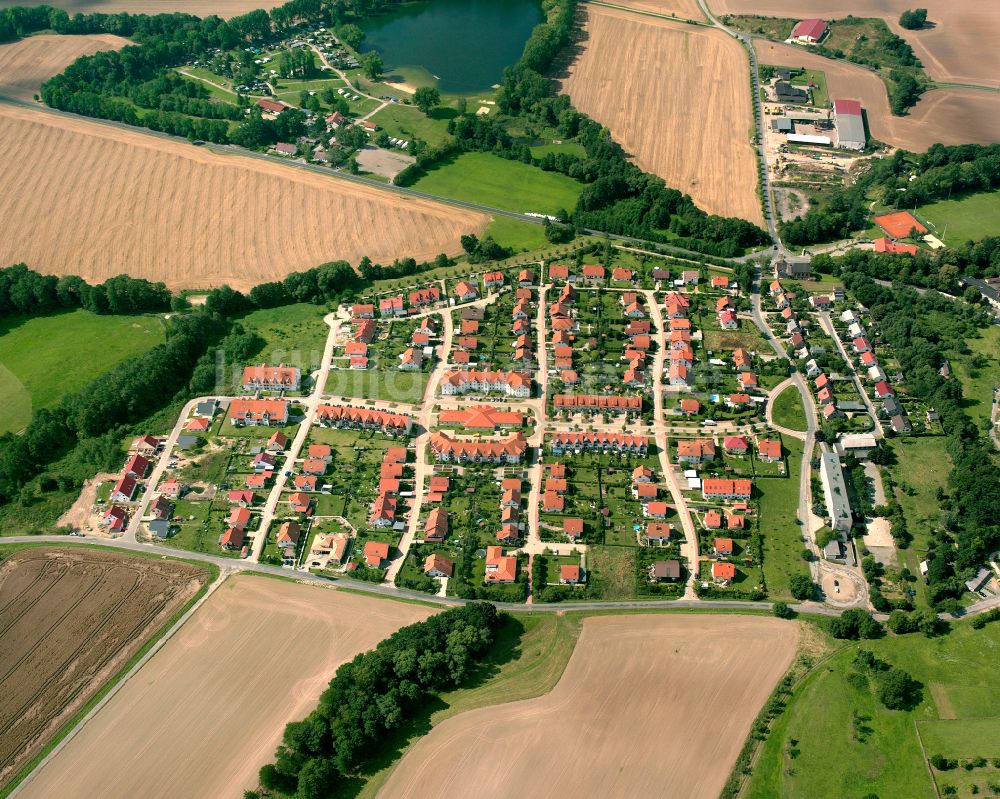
[(426, 97), (913, 19), (373, 65)]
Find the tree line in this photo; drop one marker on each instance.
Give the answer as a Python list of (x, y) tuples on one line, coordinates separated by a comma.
[(24, 291), (377, 692)]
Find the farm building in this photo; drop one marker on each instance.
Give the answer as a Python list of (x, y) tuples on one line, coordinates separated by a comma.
[(850, 124), (809, 31), (787, 93)]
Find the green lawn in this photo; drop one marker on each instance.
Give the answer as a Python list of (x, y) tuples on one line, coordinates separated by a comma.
[(499, 183), (408, 122), (783, 545), (383, 384), (44, 358), (836, 740), (788, 411), (293, 334), (962, 737), (978, 379), (968, 219), (820, 93), (566, 148), (520, 236)]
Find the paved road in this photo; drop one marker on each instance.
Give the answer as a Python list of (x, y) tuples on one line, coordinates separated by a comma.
[(827, 324), (690, 547), (311, 403)]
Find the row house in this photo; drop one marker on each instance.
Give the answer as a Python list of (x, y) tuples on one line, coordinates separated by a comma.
[(391, 306), (597, 402), (599, 442), (513, 384), (424, 297), (349, 416), (258, 412), (508, 450), (726, 489), (272, 378), (695, 451)]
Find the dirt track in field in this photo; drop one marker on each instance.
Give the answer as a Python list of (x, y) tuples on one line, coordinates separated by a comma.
[(202, 717), (200, 8), (684, 9), (28, 62), (676, 99), (69, 619), (961, 47), (88, 199), (948, 116), (647, 706)]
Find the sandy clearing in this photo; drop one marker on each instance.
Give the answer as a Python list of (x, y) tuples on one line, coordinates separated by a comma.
[(948, 116), (961, 48), (25, 64), (676, 99), (685, 9), (208, 710), (89, 199), (645, 702), (201, 8)]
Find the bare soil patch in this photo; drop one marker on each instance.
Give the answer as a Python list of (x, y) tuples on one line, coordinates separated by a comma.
[(848, 592), (89, 199), (948, 116), (202, 717), (28, 62), (677, 98), (383, 162), (69, 618), (200, 8), (959, 48), (645, 702), (81, 514)]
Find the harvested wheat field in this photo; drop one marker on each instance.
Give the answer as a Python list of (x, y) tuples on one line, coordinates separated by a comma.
[(70, 618), (677, 99), (96, 201), (948, 116), (685, 9), (202, 717), (200, 8), (28, 62), (647, 706), (959, 48)]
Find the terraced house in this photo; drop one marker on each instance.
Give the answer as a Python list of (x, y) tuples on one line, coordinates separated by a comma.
[(272, 378)]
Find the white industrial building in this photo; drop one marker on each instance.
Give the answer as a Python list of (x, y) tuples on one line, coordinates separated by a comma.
[(850, 124), (838, 505)]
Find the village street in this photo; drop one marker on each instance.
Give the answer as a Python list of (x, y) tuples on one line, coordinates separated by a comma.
[(334, 321)]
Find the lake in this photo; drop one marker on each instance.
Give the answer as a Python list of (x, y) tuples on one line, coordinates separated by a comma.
[(464, 44)]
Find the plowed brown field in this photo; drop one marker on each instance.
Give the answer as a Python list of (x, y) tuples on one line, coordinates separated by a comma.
[(25, 64), (207, 711), (677, 98), (948, 116), (201, 8), (96, 201), (647, 706), (960, 48), (69, 619)]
